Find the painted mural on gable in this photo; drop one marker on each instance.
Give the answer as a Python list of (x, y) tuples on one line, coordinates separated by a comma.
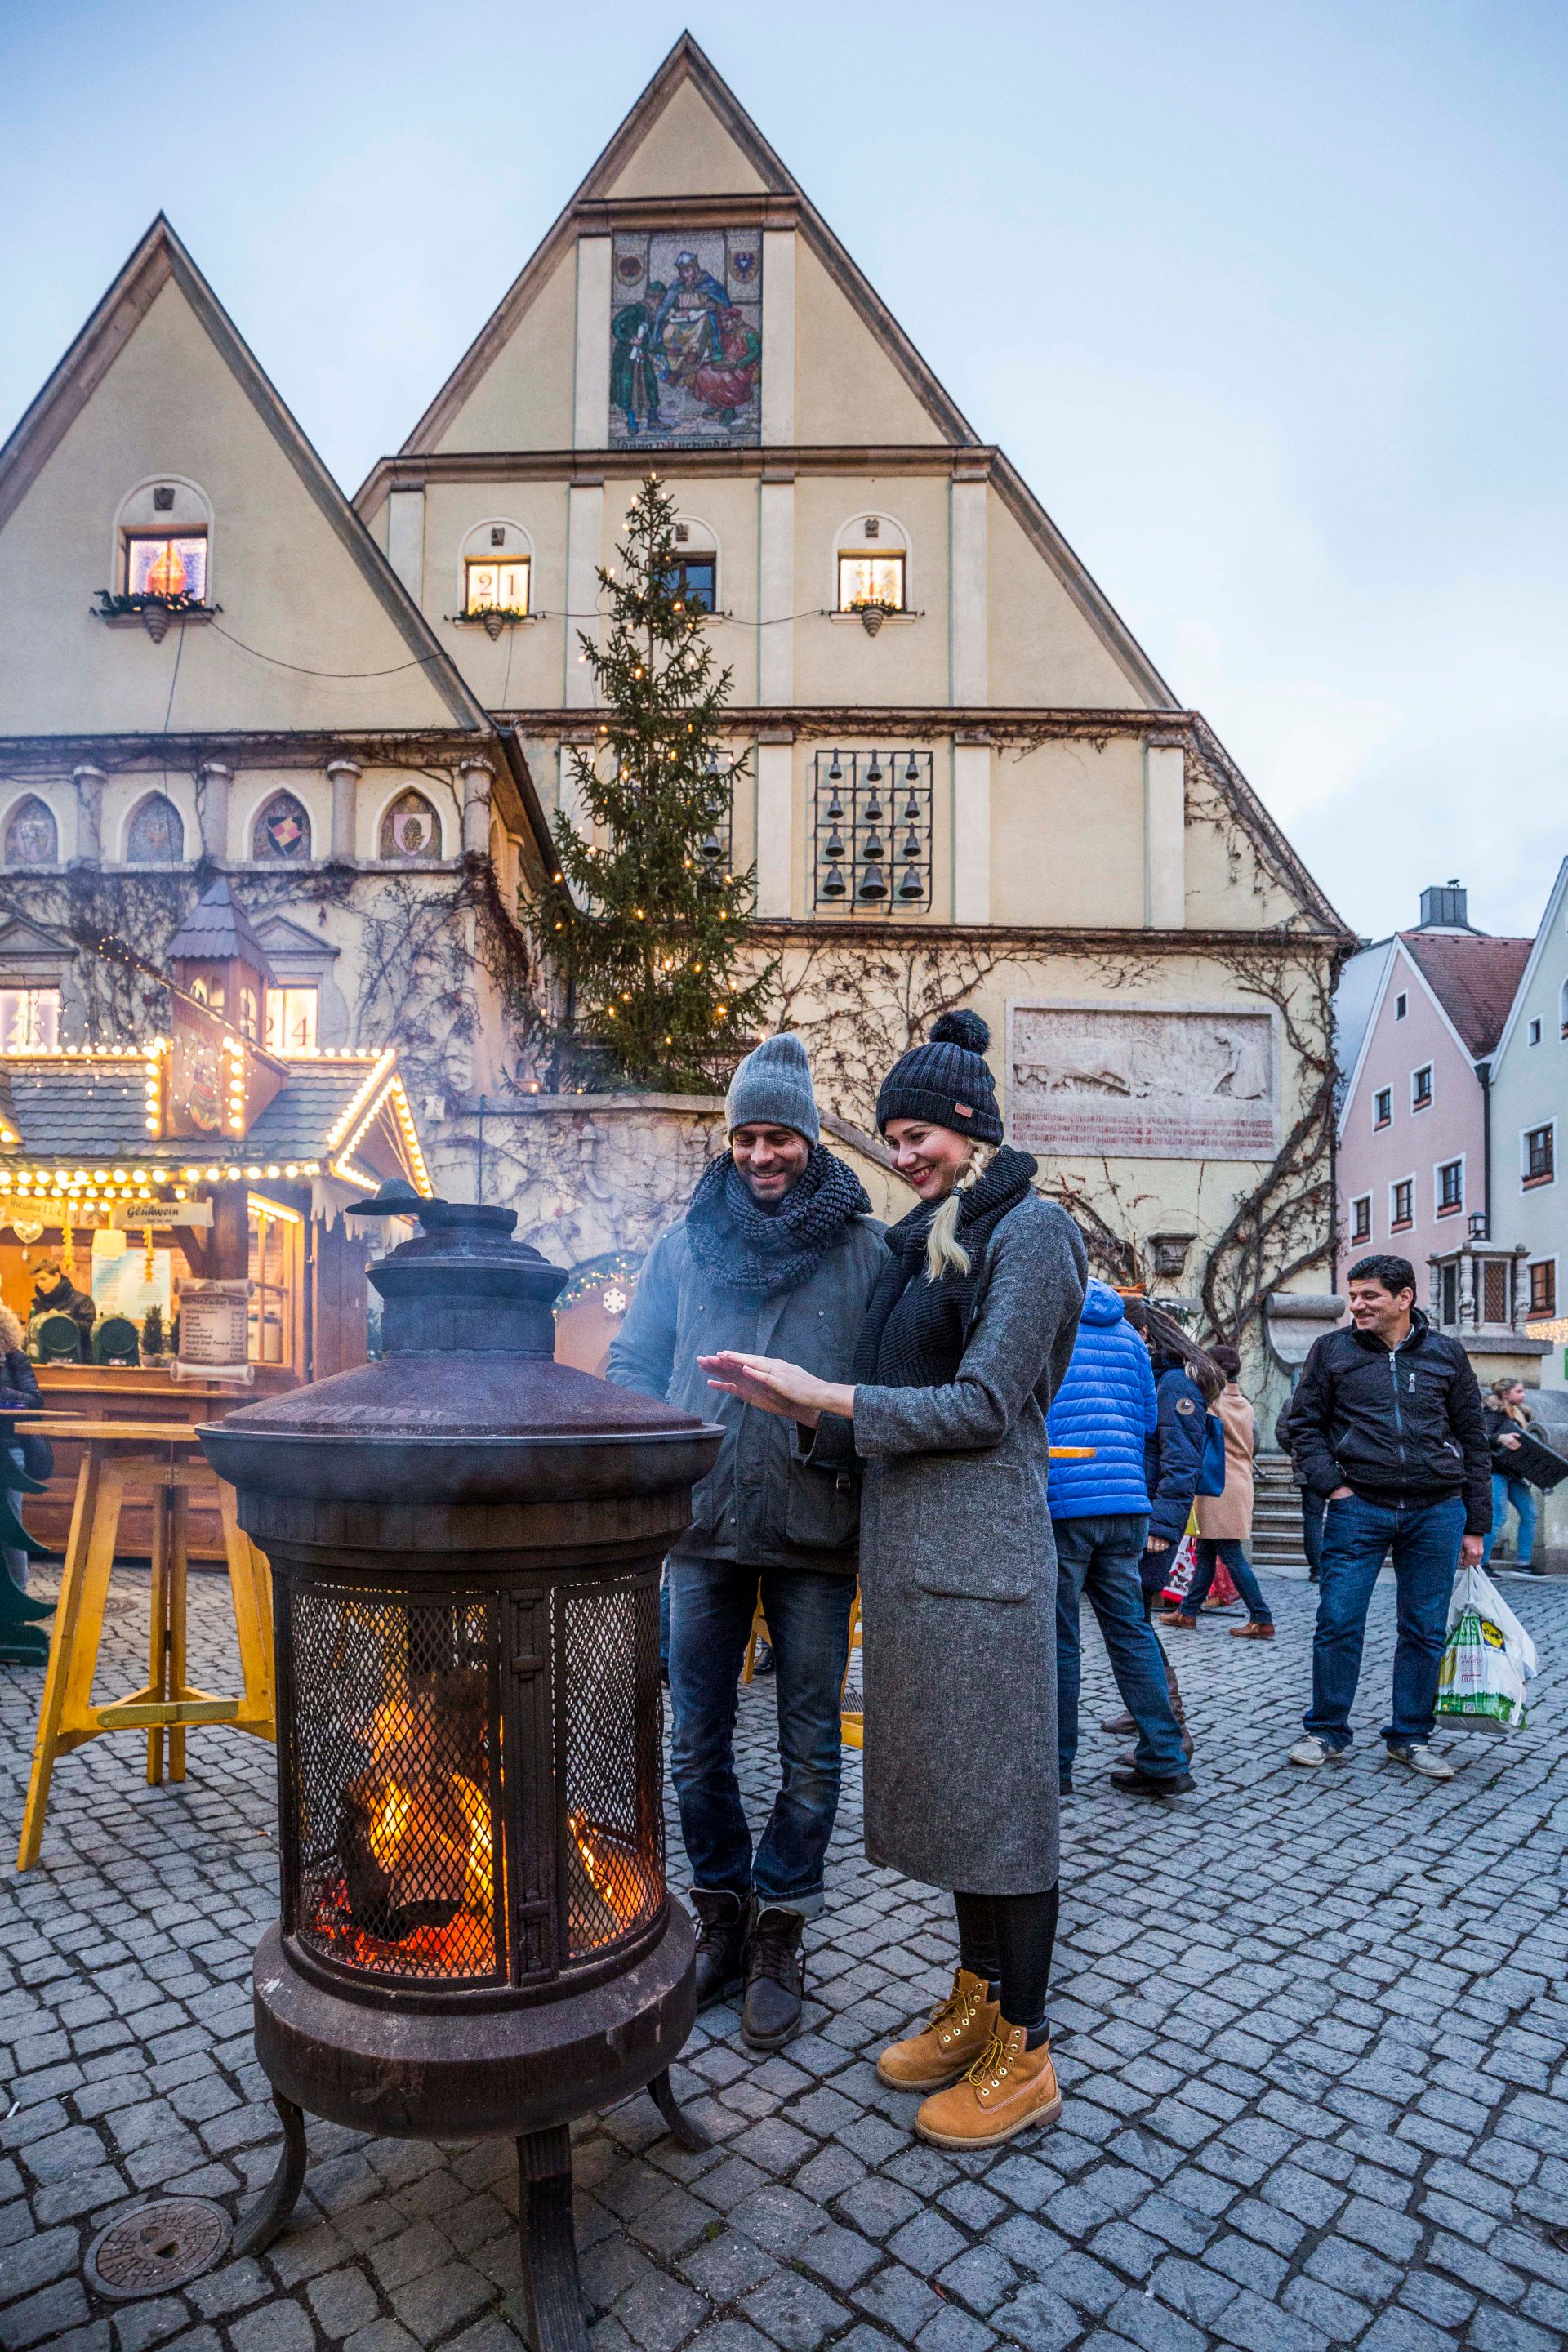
[(686, 339)]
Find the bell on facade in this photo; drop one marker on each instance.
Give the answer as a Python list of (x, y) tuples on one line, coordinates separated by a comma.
[(835, 846), (873, 852), (873, 884), (711, 850), (911, 887), (833, 883), (912, 848), (836, 810), (912, 812), (874, 772), (835, 772), (874, 811), (911, 774)]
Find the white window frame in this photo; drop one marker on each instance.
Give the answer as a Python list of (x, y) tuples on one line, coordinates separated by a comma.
[(1551, 1259), (1396, 1223), (1532, 1032), (892, 538), (1379, 1123), (1423, 1102), (1357, 1238), (1456, 1160), (1401, 1005), (1536, 1184)]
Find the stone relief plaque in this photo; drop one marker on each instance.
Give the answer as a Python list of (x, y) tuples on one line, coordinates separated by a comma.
[(1149, 1083)]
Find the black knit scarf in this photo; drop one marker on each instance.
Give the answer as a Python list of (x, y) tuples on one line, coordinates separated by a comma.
[(915, 1330), (761, 1251)]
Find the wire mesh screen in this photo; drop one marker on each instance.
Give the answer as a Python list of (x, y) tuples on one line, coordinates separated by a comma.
[(396, 1783), (615, 1823)]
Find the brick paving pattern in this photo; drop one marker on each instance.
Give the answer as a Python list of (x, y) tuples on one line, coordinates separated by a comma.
[(1310, 2032)]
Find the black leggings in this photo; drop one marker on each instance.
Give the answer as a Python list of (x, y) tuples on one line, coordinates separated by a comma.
[(1010, 1939)]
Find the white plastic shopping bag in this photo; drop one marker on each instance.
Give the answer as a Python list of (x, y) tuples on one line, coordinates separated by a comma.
[(1181, 1572), (1487, 1660)]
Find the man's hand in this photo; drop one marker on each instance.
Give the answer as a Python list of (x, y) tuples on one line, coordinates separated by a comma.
[(1508, 1440), (1471, 1550), (1154, 1543), (1339, 1493)]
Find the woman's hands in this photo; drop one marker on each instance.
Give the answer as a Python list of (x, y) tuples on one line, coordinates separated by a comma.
[(776, 1386)]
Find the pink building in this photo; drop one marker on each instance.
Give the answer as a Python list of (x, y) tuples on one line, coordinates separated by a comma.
[(1412, 1124)]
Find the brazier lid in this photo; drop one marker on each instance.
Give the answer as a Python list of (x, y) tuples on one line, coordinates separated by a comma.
[(467, 1402)]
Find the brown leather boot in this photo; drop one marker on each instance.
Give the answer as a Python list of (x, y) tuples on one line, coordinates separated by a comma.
[(1007, 2089), (954, 2036), (1179, 1618)]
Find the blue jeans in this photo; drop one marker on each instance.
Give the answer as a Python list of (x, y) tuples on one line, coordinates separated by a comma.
[(1212, 1551), (807, 1610), (16, 1558), (1098, 1561), (1357, 1537), (1521, 1494)]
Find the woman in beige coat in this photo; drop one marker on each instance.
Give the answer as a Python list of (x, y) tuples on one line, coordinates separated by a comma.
[(1224, 1521)]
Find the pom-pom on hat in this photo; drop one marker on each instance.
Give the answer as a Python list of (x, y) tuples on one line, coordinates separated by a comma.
[(945, 1081)]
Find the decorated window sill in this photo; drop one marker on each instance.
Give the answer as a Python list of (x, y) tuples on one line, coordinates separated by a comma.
[(494, 618), (871, 616), (153, 614)]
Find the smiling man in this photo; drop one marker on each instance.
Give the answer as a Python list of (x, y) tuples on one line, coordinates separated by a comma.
[(1386, 1422), (777, 1254)]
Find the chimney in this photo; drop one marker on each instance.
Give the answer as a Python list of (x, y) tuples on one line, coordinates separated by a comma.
[(1444, 907)]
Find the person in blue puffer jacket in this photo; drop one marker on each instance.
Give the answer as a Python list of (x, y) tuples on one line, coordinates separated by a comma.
[(1100, 1519)]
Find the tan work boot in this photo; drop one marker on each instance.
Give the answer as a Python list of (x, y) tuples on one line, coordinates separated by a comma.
[(956, 2033), (1007, 2089)]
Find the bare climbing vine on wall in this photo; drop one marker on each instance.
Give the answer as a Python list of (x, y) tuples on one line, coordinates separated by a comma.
[(860, 1006)]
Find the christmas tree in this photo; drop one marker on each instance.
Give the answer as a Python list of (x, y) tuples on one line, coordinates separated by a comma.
[(644, 919)]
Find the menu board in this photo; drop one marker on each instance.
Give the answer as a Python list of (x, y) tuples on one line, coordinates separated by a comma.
[(214, 1332)]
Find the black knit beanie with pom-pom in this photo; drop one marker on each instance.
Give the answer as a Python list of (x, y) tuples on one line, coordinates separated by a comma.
[(945, 1081)]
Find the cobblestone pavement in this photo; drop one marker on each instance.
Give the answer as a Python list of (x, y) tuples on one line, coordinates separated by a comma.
[(1311, 2035)]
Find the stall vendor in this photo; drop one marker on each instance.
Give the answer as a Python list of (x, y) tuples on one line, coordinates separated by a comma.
[(55, 1293)]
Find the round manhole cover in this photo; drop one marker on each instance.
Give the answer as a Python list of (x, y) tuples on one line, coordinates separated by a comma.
[(158, 2247)]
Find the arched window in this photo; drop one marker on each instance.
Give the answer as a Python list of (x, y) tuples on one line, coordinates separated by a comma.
[(282, 829), (156, 833), (410, 828), (497, 567), (32, 838), (164, 540), (871, 559), (1562, 1009)]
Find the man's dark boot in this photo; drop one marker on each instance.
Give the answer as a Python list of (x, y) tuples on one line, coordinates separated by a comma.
[(1119, 1724), (1136, 1783), (724, 1923), (775, 1981)]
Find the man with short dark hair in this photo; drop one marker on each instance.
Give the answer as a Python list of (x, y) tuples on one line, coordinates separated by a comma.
[(1386, 1422), (777, 1254)]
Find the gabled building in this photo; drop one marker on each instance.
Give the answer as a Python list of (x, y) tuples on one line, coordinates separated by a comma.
[(1530, 1132), (1414, 1121)]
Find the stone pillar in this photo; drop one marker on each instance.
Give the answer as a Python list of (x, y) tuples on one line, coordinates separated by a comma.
[(775, 589), (775, 825), (343, 776), (591, 376), (969, 683), (778, 337), (474, 777), (972, 829), (216, 782), (1165, 833), (87, 782), (584, 545), (406, 539)]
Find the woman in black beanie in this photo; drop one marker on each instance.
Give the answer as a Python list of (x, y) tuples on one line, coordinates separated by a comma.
[(969, 1331)]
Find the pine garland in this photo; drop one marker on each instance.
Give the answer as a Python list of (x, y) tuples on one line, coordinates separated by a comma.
[(646, 932)]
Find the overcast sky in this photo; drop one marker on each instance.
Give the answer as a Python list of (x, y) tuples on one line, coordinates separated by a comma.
[(1266, 302)]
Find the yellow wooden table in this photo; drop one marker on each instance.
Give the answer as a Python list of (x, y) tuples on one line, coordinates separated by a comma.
[(166, 1461)]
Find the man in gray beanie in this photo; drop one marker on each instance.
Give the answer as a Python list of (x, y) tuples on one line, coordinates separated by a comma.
[(778, 1254)]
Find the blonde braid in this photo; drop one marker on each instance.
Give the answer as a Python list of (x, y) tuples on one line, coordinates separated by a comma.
[(945, 1254)]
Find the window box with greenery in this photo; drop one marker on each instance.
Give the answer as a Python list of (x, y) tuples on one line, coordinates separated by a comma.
[(496, 595), (872, 588), (151, 612)]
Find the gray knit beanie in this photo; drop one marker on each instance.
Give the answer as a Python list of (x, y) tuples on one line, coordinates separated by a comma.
[(772, 1085)]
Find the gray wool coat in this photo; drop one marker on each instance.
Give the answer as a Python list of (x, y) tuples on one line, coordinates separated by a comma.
[(958, 1582)]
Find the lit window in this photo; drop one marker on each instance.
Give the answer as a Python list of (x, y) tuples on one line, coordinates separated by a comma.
[(1421, 1088), (1360, 1217), (1540, 1156), (490, 585), (274, 1271), (1401, 1005), (1543, 1287), (1450, 1187), (1383, 1106), (1404, 1200), (409, 828), (291, 1019), (30, 1020), (31, 836), (693, 579), (869, 577), (159, 565)]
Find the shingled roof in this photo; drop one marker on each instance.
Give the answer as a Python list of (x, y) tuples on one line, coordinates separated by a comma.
[(87, 1110), (217, 929), (1474, 979)]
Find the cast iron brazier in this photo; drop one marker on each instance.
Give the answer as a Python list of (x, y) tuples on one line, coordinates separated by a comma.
[(466, 1537)]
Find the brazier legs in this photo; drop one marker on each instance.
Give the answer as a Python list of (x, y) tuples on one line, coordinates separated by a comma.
[(256, 2229)]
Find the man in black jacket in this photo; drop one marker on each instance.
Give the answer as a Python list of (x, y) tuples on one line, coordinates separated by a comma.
[(1386, 1422)]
